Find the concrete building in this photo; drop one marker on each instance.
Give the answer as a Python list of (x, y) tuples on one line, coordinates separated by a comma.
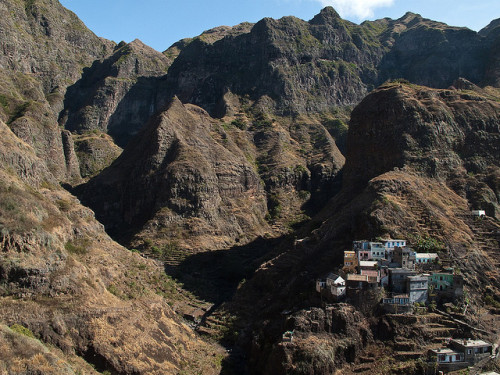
[(399, 303), (425, 258), (391, 244), (397, 279), (446, 355), (333, 286), (473, 350), (377, 250), (404, 257), (417, 288)]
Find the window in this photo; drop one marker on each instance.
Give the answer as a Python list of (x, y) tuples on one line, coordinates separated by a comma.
[(469, 351)]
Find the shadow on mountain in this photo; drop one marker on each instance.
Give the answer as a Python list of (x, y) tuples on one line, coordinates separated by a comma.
[(214, 276)]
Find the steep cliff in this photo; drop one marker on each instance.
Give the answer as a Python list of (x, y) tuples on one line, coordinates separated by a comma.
[(418, 160), (44, 49), (182, 180), (116, 95), (86, 299)]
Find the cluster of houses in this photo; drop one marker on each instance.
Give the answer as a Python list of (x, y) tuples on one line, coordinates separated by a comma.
[(408, 276)]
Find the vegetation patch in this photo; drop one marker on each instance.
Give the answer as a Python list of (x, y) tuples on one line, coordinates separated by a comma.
[(78, 246), (22, 330)]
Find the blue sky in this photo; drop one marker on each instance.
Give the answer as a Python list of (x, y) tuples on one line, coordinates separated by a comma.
[(160, 23)]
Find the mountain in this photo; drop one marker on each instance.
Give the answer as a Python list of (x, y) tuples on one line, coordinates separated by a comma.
[(276, 144), (66, 283), (72, 299), (44, 49), (283, 90), (419, 159)]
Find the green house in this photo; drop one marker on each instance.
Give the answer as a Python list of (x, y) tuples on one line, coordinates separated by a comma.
[(441, 280)]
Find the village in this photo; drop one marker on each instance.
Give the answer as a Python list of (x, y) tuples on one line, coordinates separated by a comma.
[(405, 282)]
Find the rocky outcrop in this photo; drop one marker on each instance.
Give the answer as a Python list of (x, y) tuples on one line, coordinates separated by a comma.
[(116, 95), (181, 181), (96, 151), (44, 48), (448, 135)]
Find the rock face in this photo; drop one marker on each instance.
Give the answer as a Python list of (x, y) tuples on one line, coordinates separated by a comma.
[(116, 95), (44, 48), (66, 283), (452, 136), (95, 151), (180, 181), (315, 66)]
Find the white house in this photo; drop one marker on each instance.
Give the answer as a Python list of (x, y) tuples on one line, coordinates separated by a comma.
[(335, 284), (478, 213), (391, 244), (446, 355), (423, 258)]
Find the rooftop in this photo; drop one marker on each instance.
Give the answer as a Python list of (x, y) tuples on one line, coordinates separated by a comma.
[(445, 351), (368, 263), (471, 343), (427, 255), (354, 277)]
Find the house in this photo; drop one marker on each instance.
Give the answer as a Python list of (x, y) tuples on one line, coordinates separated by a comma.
[(478, 213), (320, 285), (356, 283), (441, 280), (399, 303), (368, 265), (398, 299), (377, 250), (335, 285), (446, 355), (397, 279), (425, 258), (350, 259), (417, 288), (473, 350), (390, 245), (404, 257), (367, 250), (332, 286), (364, 254)]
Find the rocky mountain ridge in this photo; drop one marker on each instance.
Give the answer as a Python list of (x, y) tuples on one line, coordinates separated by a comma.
[(233, 141)]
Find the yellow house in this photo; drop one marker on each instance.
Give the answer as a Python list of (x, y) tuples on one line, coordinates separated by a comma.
[(350, 259)]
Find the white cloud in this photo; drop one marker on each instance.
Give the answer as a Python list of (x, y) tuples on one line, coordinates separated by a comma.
[(356, 8)]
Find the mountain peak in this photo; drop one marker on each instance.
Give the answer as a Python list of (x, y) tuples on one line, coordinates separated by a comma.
[(495, 24), (327, 15)]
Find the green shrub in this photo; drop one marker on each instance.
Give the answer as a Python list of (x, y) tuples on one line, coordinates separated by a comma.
[(22, 330)]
